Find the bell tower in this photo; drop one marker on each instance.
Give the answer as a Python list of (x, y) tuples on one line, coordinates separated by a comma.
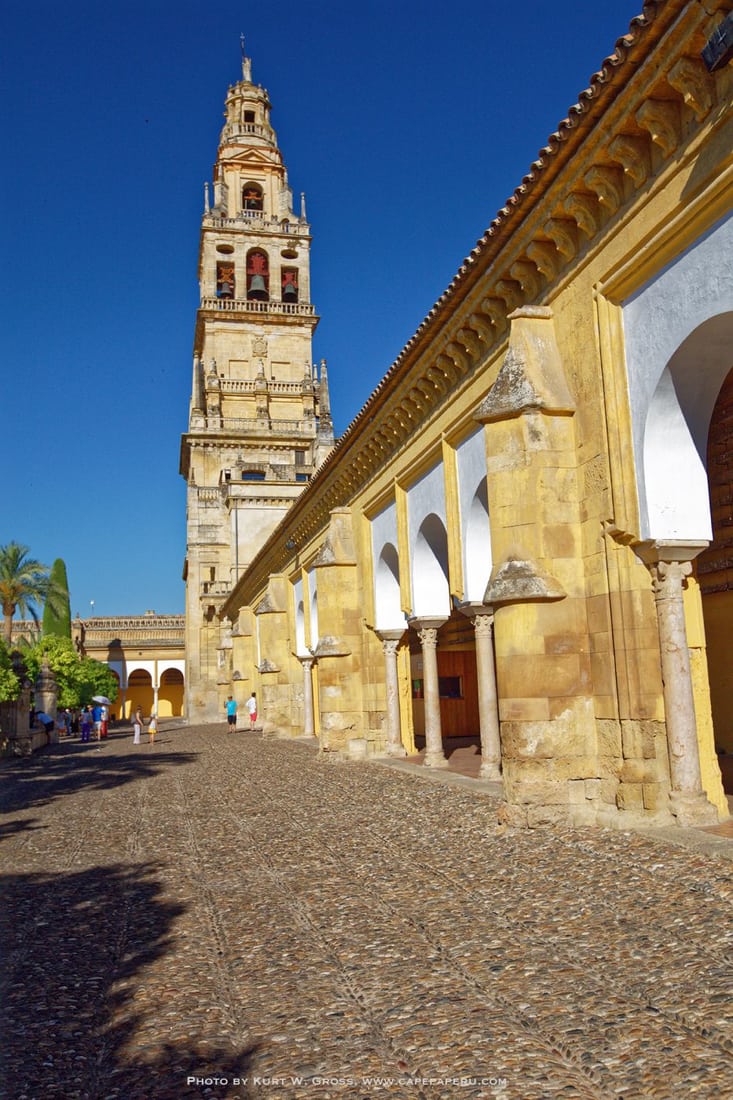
[(259, 419)]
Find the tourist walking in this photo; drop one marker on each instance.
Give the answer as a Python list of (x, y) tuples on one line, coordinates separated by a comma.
[(97, 719), (152, 728), (86, 723), (231, 708), (137, 725), (251, 705)]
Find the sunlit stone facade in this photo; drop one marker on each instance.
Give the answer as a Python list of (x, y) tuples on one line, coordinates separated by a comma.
[(514, 539)]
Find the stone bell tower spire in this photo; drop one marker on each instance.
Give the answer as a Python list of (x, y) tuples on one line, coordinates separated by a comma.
[(256, 433)]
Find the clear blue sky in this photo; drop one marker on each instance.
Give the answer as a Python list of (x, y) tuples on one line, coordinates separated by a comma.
[(407, 123)]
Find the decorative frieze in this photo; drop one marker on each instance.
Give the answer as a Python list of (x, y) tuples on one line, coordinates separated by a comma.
[(543, 255), (584, 209), (608, 185), (526, 274), (661, 118), (564, 233), (632, 153), (691, 79)]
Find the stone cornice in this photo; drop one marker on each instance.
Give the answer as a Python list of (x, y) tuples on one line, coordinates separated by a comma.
[(632, 120)]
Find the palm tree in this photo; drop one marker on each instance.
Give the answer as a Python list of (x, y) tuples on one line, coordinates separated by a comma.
[(24, 582)]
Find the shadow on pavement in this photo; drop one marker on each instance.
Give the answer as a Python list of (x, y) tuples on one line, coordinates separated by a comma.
[(72, 947), (71, 766)]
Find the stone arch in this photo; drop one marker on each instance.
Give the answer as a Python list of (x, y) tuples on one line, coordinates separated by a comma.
[(675, 330), (676, 433), (430, 588), (387, 602), (140, 690), (171, 693)]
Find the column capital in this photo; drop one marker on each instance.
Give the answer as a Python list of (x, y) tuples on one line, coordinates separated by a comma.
[(476, 609), (429, 622), (668, 578), (669, 550), (395, 635), (427, 631), (307, 662)]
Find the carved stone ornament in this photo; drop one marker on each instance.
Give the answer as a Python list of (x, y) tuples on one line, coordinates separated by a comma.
[(662, 120), (518, 580), (632, 153), (531, 375)]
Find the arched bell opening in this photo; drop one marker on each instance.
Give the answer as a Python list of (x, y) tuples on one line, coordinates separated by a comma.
[(252, 192), (258, 276), (225, 280), (289, 285)]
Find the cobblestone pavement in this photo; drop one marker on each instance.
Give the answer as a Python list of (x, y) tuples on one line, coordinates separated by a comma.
[(220, 916)]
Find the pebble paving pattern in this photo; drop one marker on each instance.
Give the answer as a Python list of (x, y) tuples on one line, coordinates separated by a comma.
[(229, 917)]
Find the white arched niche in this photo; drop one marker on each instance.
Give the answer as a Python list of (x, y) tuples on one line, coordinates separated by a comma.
[(389, 614), (678, 333), (313, 593), (475, 525), (299, 604), (430, 589), (386, 572), (428, 546)]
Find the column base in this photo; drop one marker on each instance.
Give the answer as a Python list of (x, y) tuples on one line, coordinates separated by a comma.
[(490, 770), (435, 759), (396, 750), (690, 810)]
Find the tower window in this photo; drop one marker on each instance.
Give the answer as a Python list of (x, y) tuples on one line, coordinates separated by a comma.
[(251, 197), (249, 116), (289, 287), (253, 475), (258, 276), (225, 280), (300, 458)]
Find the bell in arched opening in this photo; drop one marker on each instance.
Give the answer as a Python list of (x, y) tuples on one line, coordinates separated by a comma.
[(290, 292), (257, 288)]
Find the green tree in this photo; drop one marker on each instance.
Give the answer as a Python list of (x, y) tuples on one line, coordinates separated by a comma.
[(24, 582), (9, 686), (78, 678), (57, 609)]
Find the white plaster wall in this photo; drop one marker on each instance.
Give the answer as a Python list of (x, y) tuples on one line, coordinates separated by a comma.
[(475, 526), (135, 666), (671, 412), (299, 604), (429, 579), (313, 598), (175, 663), (385, 561)]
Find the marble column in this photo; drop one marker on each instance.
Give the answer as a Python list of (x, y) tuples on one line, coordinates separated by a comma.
[(482, 616), (427, 632), (309, 725), (670, 564), (390, 644)]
